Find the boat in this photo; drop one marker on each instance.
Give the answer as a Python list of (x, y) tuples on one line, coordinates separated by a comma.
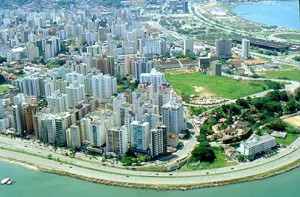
[(6, 181)]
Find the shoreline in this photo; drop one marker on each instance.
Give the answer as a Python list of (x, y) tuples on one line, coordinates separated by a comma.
[(261, 176), (260, 23)]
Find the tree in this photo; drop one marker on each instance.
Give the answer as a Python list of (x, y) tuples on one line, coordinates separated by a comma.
[(242, 102), (297, 94), (49, 156), (130, 152), (2, 59), (273, 106), (258, 103), (292, 106), (241, 158), (273, 96), (204, 154), (274, 85), (296, 58), (2, 79), (277, 124), (283, 96)]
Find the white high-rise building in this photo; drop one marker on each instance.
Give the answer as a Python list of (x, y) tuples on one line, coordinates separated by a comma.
[(94, 50), (49, 87), (173, 119), (140, 136), (32, 52), (74, 137), (103, 86), (141, 66), (2, 114), (245, 48), (155, 78), (85, 124), (31, 86), (62, 123), (153, 46), (75, 94), (97, 133), (75, 78), (51, 128), (58, 102)]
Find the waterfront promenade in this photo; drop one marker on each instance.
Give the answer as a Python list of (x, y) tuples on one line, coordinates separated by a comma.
[(13, 150)]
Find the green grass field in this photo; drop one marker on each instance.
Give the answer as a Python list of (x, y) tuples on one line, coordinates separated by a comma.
[(221, 161), (289, 36), (3, 88), (289, 74), (198, 84), (290, 138)]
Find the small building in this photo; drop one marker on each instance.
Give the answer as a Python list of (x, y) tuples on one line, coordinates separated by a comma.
[(172, 140), (241, 124), (232, 131), (256, 145), (279, 134)]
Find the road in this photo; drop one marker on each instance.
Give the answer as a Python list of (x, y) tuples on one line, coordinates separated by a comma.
[(96, 171)]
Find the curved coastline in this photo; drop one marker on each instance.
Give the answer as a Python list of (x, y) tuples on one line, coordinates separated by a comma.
[(259, 22), (181, 186)]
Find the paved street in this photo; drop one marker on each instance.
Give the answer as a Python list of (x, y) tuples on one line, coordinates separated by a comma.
[(95, 170)]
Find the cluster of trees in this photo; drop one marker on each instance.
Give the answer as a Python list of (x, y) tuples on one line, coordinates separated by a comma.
[(274, 85), (2, 79), (268, 52), (203, 152), (189, 55), (296, 58), (131, 157), (2, 59), (197, 110), (257, 111), (56, 63)]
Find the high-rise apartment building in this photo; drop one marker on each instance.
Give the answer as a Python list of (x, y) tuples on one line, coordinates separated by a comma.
[(158, 141), (173, 119), (73, 136), (188, 46), (245, 48), (117, 140), (140, 136), (223, 48)]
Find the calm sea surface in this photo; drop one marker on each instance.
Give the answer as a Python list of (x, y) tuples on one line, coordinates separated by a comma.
[(38, 184), (279, 13)]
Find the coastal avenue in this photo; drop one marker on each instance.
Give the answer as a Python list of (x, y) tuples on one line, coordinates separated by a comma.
[(13, 150)]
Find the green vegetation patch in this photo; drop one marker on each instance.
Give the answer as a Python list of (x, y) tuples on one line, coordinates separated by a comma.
[(290, 138), (199, 84), (290, 74), (3, 88), (289, 36), (296, 58), (55, 63), (221, 161)]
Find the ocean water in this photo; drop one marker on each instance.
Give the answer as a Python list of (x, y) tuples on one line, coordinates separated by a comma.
[(280, 13), (31, 183)]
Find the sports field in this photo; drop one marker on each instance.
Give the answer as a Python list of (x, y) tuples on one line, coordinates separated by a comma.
[(295, 121)]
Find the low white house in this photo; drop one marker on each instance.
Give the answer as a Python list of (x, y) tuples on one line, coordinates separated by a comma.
[(257, 144)]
